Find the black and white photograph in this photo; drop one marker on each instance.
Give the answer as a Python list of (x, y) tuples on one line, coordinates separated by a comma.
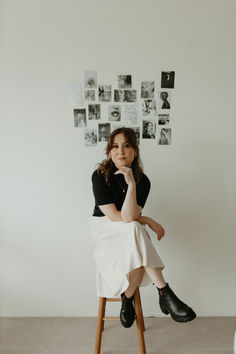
[(147, 89), (163, 119), (130, 96), (131, 114), (164, 100), (119, 95), (149, 129), (104, 93), (90, 79), (114, 113), (149, 108), (124, 81), (90, 137), (94, 111), (80, 117), (89, 95), (137, 132), (164, 136), (104, 131), (75, 95), (167, 79)]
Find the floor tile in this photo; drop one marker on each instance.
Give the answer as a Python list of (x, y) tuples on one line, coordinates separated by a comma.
[(25, 333), (72, 333), (116, 337), (202, 333)]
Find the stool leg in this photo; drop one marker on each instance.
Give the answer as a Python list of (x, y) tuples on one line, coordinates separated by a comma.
[(139, 321), (100, 324), (141, 310)]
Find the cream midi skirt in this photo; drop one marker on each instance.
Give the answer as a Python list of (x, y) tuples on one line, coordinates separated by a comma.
[(119, 248)]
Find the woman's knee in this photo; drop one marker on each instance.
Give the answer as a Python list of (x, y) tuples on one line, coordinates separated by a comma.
[(139, 270)]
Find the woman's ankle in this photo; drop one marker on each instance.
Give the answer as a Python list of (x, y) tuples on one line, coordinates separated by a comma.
[(128, 293), (160, 285)]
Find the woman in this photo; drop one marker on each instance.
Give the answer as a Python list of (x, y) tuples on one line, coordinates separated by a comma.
[(149, 130), (164, 137), (165, 104), (124, 254)]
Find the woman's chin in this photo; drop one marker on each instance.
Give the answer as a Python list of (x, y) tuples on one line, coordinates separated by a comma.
[(122, 163)]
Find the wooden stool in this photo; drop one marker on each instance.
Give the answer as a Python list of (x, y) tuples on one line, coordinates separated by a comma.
[(102, 318)]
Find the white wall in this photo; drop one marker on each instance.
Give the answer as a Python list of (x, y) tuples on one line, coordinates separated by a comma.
[(47, 265)]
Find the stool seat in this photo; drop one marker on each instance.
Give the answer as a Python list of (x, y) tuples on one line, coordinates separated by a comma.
[(102, 318)]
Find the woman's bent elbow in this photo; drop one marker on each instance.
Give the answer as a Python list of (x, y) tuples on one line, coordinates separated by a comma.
[(128, 219)]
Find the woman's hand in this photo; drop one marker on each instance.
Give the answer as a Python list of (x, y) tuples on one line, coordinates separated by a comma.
[(157, 228), (128, 174)]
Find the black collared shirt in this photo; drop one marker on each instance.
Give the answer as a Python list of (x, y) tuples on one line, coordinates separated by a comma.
[(116, 191)]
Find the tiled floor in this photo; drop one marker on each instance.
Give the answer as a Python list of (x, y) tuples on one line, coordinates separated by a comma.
[(204, 335)]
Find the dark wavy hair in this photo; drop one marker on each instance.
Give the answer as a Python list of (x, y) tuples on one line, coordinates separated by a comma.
[(105, 167)]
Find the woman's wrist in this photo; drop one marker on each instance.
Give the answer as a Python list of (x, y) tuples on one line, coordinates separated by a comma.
[(144, 220)]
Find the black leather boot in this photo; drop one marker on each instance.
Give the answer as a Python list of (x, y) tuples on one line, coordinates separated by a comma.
[(171, 304), (127, 312)]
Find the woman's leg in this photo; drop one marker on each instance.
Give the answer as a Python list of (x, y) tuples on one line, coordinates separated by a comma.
[(169, 302), (127, 312), (135, 278), (156, 276)]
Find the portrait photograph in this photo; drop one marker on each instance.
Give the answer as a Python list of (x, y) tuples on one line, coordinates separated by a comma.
[(147, 89), (90, 79), (164, 99), (164, 136), (119, 95), (104, 129), (114, 113), (163, 119), (89, 95), (167, 79), (104, 93), (130, 96), (94, 111), (124, 81), (149, 129), (149, 108), (99, 221), (80, 117), (90, 137)]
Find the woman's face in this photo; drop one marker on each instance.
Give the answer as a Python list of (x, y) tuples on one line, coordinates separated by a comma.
[(150, 128), (120, 95), (122, 153), (163, 95)]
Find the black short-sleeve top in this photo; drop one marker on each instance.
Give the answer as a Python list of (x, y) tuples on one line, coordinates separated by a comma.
[(116, 191)]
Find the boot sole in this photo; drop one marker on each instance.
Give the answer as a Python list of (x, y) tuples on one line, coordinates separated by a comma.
[(179, 319), (184, 319)]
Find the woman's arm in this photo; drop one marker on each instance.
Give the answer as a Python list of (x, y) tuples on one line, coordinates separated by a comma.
[(130, 209), (113, 214), (154, 226)]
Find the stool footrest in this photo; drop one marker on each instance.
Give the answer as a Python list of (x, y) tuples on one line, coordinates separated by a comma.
[(111, 318), (113, 299)]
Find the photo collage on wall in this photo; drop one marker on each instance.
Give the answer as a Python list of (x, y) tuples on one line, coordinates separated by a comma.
[(99, 109)]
